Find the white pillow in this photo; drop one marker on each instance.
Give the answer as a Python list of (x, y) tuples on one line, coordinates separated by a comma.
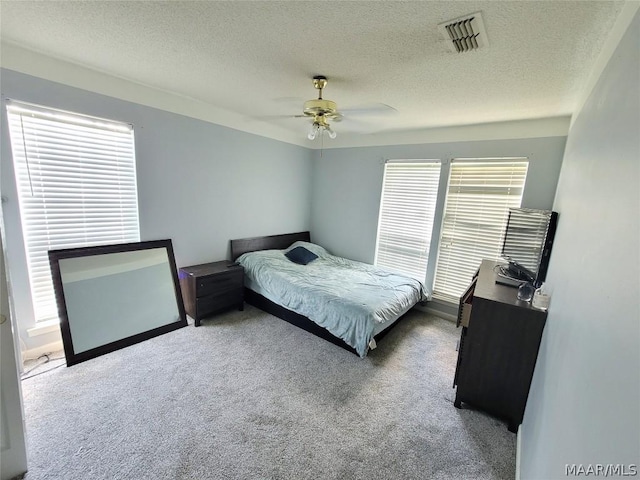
[(312, 247)]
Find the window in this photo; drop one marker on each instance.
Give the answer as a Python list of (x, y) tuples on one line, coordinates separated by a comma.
[(76, 182), (479, 196), (407, 207)]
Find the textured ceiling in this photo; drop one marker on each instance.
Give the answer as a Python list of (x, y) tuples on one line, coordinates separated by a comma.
[(256, 58)]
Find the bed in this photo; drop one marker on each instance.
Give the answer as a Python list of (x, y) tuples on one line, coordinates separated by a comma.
[(348, 303)]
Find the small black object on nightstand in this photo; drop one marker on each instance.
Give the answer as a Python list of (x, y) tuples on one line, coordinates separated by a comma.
[(211, 287)]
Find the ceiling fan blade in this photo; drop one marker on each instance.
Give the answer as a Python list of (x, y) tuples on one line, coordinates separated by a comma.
[(275, 117), (370, 109), (356, 125)]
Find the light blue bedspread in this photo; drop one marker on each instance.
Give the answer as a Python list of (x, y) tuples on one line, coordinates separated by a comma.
[(353, 300)]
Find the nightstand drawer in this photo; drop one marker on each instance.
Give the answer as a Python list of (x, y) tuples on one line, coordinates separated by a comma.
[(214, 284), (213, 303)]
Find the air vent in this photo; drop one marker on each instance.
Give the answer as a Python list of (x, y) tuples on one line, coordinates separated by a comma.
[(465, 33)]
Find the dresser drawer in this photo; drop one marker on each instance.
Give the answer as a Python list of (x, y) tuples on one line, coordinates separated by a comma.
[(220, 301), (213, 284)]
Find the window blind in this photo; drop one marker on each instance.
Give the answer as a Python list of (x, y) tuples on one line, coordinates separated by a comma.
[(407, 208), (479, 196), (76, 182)]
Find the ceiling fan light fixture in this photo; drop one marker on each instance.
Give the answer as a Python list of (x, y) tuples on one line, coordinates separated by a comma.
[(320, 125), (313, 131)]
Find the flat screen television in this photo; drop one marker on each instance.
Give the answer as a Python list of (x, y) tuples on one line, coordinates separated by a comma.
[(528, 239)]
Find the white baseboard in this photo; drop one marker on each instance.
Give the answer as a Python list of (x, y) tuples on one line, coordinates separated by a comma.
[(437, 313), (446, 316), (36, 352), (518, 449)]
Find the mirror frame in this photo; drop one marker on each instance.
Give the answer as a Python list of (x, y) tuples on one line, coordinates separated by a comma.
[(56, 255)]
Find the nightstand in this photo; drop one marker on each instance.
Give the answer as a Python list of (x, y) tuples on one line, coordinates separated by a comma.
[(211, 287)]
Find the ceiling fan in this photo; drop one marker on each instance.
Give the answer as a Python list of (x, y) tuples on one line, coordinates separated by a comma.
[(322, 111)]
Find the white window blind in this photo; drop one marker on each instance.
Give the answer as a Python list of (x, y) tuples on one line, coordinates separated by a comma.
[(479, 196), (407, 207), (76, 181)]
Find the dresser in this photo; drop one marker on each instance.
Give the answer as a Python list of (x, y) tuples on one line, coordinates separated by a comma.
[(211, 288), (498, 348)]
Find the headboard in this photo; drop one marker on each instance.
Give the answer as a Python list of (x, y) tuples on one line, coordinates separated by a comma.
[(272, 242)]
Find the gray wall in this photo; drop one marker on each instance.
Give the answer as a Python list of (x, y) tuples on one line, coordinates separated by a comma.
[(199, 184), (583, 407), (347, 184)]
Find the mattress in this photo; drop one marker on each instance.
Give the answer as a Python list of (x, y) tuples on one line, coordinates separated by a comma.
[(352, 300)]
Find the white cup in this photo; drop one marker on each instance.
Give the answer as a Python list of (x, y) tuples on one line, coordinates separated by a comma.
[(540, 300)]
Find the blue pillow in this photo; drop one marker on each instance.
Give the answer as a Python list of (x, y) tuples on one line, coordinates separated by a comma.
[(300, 255)]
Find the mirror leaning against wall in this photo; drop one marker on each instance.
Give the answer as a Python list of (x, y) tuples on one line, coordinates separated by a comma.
[(110, 297)]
